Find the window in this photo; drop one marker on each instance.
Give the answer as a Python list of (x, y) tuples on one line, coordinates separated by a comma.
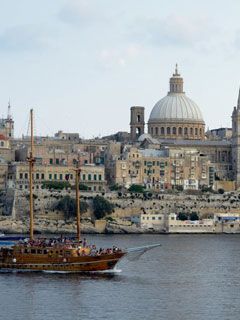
[(55, 176), (191, 131), (159, 218), (168, 130), (51, 161), (174, 130), (196, 131), (60, 176), (50, 176), (57, 161), (42, 176), (20, 176), (162, 130), (185, 131), (156, 130), (84, 177), (100, 177), (95, 178), (37, 176), (26, 176), (180, 130), (89, 177)]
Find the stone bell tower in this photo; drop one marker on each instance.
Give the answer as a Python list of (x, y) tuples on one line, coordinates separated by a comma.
[(137, 122), (236, 142)]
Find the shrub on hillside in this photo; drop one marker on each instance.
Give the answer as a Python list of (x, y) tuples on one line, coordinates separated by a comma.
[(102, 207), (136, 188), (68, 206)]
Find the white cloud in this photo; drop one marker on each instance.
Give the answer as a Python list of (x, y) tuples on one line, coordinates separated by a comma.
[(25, 38), (119, 56), (173, 30), (80, 12)]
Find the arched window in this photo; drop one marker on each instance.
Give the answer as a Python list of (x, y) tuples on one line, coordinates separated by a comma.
[(168, 130), (162, 130), (138, 118), (2, 143), (180, 130), (191, 131), (156, 130), (185, 131), (152, 131), (174, 130), (200, 131), (196, 131)]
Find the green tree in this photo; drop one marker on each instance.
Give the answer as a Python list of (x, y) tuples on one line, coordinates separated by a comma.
[(57, 185), (182, 216), (115, 187), (136, 188), (101, 207), (193, 216), (68, 206), (83, 187)]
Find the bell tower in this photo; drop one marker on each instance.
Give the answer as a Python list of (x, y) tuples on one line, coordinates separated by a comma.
[(137, 122), (236, 142)]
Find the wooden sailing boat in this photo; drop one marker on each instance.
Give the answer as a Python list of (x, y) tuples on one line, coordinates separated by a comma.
[(59, 254)]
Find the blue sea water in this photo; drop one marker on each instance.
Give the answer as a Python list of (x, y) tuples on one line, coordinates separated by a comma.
[(190, 277)]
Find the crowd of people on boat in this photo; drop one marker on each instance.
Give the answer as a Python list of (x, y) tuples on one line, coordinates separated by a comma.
[(67, 243)]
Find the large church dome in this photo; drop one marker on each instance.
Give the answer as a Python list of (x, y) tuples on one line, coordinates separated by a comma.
[(176, 116), (176, 107)]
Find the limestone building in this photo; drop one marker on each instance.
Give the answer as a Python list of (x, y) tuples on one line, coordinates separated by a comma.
[(176, 116)]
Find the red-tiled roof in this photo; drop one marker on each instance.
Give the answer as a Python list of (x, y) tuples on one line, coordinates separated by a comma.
[(2, 137)]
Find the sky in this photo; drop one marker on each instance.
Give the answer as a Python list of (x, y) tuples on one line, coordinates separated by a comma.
[(81, 64)]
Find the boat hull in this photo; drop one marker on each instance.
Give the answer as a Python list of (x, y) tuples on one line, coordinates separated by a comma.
[(78, 264)]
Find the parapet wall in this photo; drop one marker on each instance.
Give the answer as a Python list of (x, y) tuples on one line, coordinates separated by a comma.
[(130, 204)]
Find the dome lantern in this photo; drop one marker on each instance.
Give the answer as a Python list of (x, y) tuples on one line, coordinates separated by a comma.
[(176, 82)]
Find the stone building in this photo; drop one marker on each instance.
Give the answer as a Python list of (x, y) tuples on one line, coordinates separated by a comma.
[(7, 125), (176, 116), (177, 122), (236, 141), (161, 169), (92, 176)]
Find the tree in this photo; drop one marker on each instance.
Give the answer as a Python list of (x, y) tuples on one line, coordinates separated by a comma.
[(83, 187), (137, 188), (101, 207), (193, 216), (115, 187), (57, 185), (182, 216), (68, 206)]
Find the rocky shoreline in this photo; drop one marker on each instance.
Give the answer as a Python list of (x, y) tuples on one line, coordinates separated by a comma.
[(12, 226)]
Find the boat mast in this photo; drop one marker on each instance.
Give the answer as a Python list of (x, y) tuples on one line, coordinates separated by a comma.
[(78, 171), (31, 161)]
